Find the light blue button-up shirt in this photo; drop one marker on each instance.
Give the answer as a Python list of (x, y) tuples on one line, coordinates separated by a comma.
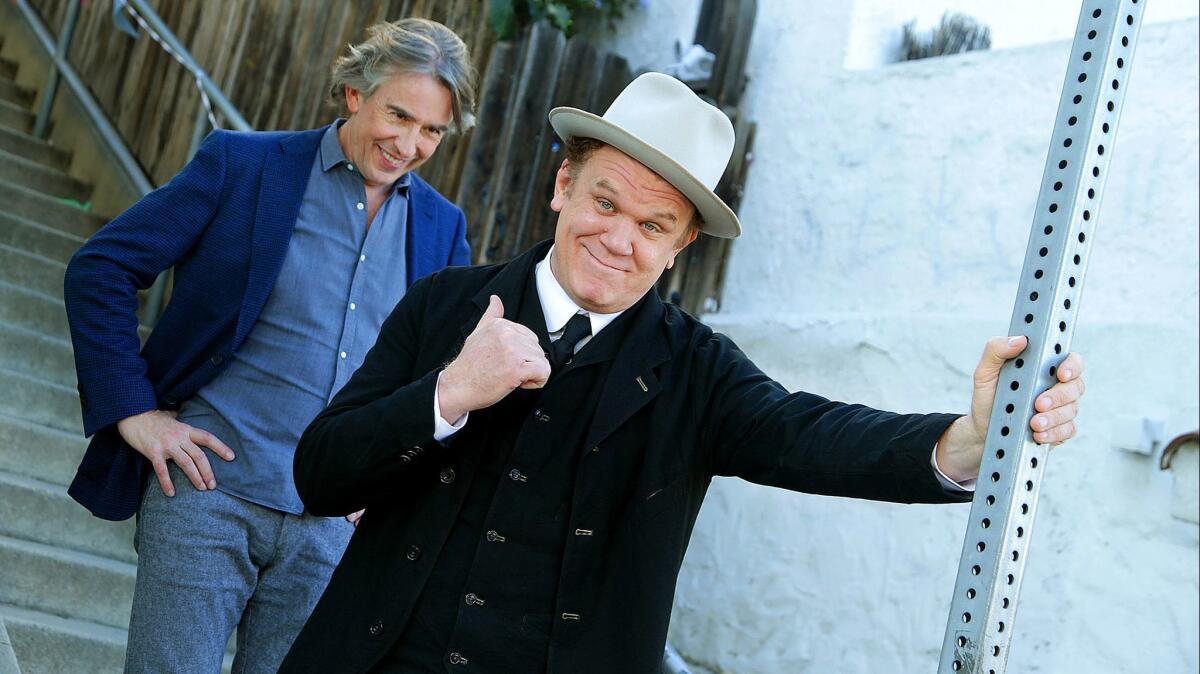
[(339, 281)]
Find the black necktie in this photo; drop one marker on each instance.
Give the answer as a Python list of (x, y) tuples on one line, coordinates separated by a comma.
[(577, 328)]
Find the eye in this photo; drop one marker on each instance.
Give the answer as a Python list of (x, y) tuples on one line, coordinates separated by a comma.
[(604, 204), (651, 227)]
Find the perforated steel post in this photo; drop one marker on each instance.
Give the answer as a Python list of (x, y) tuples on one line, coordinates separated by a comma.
[(984, 606)]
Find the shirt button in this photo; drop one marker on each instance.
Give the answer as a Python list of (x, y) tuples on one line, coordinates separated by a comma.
[(376, 629), (447, 476), (456, 658), (362, 258), (359, 206), (342, 355), (350, 167), (515, 475), (414, 553), (353, 306)]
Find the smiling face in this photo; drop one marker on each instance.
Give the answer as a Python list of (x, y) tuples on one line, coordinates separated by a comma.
[(619, 227), (396, 128)]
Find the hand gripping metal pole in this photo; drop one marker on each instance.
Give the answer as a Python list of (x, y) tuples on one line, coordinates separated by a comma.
[(980, 627)]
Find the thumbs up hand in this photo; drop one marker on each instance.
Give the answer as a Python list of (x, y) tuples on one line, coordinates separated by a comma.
[(498, 356)]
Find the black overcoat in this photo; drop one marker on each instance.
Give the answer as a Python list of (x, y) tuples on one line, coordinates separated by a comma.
[(680, 405)]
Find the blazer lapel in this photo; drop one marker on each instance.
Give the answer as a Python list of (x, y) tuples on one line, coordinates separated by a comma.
[(281, 190), (422, 256)]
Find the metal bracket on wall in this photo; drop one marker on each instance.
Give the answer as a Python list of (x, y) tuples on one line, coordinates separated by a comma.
[(980, 626)]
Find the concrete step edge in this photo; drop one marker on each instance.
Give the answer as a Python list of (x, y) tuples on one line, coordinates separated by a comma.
[(60, 158), (84, 629), (22, 220), (33, 257), (33, 499), (106, 564)]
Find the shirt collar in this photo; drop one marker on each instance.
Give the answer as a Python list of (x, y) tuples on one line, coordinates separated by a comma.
[(331, 155), (557, 305)]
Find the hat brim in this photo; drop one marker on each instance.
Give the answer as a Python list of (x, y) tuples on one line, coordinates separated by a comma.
[(719, 219)]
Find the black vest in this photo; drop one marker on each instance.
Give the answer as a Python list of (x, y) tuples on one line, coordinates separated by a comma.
[(489, 603)]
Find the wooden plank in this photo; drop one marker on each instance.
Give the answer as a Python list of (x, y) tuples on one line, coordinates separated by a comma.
[(477, 184), (527, 114), (577, 84)]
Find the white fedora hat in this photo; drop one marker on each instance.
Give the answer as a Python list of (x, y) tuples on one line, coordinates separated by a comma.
[(660, 122)]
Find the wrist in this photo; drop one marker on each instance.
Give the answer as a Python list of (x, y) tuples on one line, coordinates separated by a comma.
[(960, 450), (450, 408)]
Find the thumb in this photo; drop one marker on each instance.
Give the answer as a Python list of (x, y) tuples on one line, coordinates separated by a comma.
[(997, 352), (494, 311)]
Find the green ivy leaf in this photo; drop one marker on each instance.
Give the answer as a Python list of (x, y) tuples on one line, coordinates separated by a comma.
[(560, 16), (502, 18)]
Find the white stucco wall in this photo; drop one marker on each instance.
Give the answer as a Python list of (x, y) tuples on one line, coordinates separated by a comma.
[(886, 218)]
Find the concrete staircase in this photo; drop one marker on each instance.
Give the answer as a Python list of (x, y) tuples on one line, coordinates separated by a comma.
[(66, 578)]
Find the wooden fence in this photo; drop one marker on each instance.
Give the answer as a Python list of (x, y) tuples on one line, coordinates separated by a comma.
[(272, 58)]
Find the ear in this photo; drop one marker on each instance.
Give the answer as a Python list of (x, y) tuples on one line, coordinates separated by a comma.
[(684, 243), (354, 99), (562, 185)]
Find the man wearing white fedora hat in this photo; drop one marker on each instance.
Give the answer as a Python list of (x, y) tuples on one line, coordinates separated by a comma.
[(532, 440)]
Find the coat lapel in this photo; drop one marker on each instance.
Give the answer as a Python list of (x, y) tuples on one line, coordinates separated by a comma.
[(509, 285), (422, 256), (281, 190), (631, 382)]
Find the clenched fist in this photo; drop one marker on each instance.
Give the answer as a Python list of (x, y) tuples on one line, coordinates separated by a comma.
[(498, 356)]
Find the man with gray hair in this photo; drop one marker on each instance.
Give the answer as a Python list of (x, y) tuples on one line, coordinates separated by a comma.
[(289, 249)]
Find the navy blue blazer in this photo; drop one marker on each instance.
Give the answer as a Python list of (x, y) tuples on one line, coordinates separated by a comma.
[(224, 223)]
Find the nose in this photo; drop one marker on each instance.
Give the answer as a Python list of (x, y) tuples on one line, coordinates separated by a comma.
[(407, 141), (618, 238)]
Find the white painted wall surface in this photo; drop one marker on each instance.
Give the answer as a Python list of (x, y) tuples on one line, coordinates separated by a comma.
[(878, 24), (886, 218)]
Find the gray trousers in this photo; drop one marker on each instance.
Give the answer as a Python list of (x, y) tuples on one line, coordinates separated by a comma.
[(208, 563)]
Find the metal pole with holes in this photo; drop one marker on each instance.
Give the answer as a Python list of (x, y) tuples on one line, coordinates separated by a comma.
[(984, 606)]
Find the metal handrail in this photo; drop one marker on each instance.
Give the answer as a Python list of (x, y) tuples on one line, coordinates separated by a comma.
[(60, 68)]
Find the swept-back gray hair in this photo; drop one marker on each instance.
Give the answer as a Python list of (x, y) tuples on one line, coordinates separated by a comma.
[(417, 46)]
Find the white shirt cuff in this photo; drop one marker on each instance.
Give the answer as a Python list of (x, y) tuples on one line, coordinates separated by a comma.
[(441, 429), (947, 483)]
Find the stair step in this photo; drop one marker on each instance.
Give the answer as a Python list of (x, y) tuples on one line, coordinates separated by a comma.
[(48, 643), (65, 583), (32, 271), (8, 69), (16, 94), (37, 238), (47, 210), (16, 117), (50, 181), (40, 401), (37, 355), (42, 512), (33, 310), (38, 451), (33, 148)]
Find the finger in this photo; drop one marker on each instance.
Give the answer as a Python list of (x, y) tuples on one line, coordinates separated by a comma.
[(353, 518), (188, 467), (1070, 368), (535, 372), (201, 460), (1059, 395), (996, 352), (1056, 417), (494, 311), (206, 439), (164, 477), (1056, 435)]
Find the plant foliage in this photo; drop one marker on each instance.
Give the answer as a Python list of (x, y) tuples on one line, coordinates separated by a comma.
[(955, 33), (509, 17)]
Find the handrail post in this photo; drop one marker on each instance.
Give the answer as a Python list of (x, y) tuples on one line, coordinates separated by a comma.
[(42, 123)]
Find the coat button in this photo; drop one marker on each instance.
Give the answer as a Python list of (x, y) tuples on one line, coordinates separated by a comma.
[(414, 553), (473, 599), (495, 537), (376, 629), (217, 359), (515, 475), (457, 658), (447, 476)]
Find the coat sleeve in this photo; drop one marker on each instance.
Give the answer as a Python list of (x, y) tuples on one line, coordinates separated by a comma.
[(126, 255), (803, 442), (378, 427)]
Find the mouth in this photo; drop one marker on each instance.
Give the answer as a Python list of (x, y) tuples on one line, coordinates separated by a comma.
[(602, 263), (390, 161)]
